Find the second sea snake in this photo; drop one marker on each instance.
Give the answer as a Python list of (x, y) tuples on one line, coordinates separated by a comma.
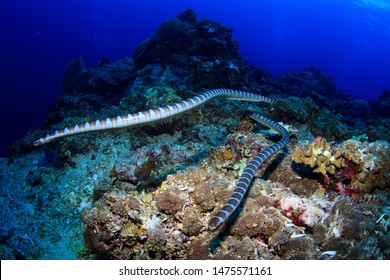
[(249, 171), (158, 114)]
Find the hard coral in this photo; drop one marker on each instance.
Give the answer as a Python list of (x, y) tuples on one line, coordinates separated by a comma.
[(161, 95), (369, 162), (221, 154), (192, 224), (169, 202), (319, 155)]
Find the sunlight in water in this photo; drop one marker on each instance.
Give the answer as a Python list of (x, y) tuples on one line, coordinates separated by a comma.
[(382, 4)]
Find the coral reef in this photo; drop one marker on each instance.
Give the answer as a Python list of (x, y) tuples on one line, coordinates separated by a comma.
[(273, 223), (148, 193)]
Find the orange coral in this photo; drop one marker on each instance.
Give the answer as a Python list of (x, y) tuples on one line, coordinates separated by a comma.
[(319, 155), (221, 154)]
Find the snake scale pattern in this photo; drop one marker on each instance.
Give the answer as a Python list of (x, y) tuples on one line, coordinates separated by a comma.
[(158, 114)]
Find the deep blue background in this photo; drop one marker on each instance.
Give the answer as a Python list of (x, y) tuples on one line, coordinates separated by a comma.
[(348, 39)]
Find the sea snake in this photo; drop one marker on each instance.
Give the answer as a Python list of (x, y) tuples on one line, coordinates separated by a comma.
[(153, 115), (158, 114), (249, 171)]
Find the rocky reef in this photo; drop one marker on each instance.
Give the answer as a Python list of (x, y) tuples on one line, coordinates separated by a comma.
[(148, 192)]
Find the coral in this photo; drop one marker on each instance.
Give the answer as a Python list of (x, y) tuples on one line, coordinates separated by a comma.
[(298, 249), (198, 248), (203, 196), (358, 166), (261, 224), (158, 95), (221, 154), (320, 156), (358, 224), (169, 201), (239, 249), (192, 223), (303, 211), (245, 145), (369, 164)]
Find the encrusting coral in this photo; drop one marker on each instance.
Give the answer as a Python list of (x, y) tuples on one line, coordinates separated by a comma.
[(369, 164), (320, 156)]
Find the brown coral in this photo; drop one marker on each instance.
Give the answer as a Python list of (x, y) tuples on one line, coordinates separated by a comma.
[(320, 156), (203, 197), (192, 224), (169, 202)]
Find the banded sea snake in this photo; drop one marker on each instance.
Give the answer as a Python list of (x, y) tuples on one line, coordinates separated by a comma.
[(158, 114)]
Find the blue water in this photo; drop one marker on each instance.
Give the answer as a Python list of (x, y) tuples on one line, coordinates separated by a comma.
[(350, 40)]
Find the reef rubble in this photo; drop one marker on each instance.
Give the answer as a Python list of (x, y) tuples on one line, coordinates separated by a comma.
[(149, 192)]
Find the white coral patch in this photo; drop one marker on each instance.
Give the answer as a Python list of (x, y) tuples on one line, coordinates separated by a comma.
[(312, 215)]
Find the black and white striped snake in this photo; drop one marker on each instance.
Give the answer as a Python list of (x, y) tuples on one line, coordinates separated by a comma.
[(249, 171), (158, 114)]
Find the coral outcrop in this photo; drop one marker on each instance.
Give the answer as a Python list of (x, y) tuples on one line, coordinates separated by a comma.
[(369, 164), (321, 156)]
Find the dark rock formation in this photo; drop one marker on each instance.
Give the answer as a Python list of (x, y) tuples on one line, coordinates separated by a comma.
[(184, 34), (108, 79), (310, 82), (73, 76)]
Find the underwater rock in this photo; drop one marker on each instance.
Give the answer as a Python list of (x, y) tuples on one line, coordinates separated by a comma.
[(307, 115), (306, 82), (361, 224), (185, 35), (381, 107), (299, 249), (379, 129), (111, 79), (296, 110), (359, 108), (104, 80), (74, 76), (331, 126)]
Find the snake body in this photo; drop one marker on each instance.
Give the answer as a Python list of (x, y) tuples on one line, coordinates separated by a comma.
[(249, 171), (152, 115), (158, 114)]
